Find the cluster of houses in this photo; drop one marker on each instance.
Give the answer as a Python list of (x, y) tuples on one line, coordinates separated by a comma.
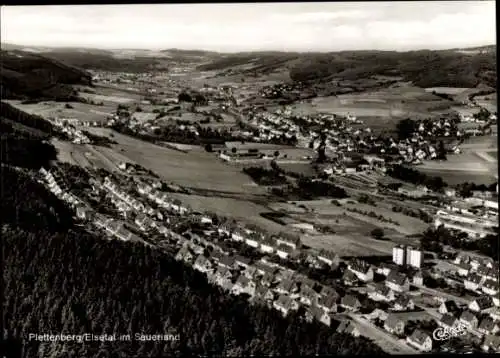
[(68, 127), (479, 276), (473, 225)]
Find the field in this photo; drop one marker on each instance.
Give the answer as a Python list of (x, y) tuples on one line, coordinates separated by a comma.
[(447, 90), (196, 169), (489, 102), (81, 111), (104, 98), (380, 108)]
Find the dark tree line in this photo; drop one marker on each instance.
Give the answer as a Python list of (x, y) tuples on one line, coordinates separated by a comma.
[(263, 176), (413, 176), (30, 120)]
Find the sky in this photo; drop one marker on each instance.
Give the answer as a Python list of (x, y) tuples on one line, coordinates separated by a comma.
[(255, 26)]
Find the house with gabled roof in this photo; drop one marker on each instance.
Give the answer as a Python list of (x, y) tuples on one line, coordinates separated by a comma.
[(482, 304), (285, 304), (328, 257), (238, 235), (221, 275), (448, 321), (403, 303), (202, 264), (469, 319), (490, 287), (349, 278), (307, 295), (314, 312), (241, 261), (382, 293), (394, 325), (463, 268), (491, 343), (350, 303), (349, 328), (286, 286), (250, 272), (243, 285), (253, 240), (384, 269), (284, 251), (362, 270), (263, 268), (489, 326), (397, 282), (267, 245), (473, 282), (420, 340), (449, 306), (288, 241), (227, 261), (418, 278), (227, 285), (268, 279), (328, 303), (263, 293)]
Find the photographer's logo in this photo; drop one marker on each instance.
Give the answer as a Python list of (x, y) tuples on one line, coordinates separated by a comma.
[(442, 334)]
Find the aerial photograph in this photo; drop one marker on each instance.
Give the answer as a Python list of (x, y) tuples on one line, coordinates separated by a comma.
[(249, 179)]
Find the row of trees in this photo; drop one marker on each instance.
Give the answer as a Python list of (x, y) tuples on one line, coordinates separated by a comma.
[(413, 176)]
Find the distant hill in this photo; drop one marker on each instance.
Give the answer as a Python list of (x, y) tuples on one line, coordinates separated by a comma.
[(426, 68), (26, 75)]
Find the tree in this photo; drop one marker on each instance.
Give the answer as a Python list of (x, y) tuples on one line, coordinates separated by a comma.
[(377, 233), (405, 128), (233, 150), (68, 106), (208, 147)]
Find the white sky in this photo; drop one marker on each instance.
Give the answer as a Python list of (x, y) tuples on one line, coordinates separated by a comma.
[(265, 26)]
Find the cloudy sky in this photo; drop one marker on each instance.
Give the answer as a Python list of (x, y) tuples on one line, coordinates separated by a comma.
[(269, 26)]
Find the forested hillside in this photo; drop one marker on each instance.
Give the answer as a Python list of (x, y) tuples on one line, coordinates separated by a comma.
[(26, 75)]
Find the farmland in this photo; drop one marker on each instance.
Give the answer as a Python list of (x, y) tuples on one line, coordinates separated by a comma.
[(81, 111), (195, 169)]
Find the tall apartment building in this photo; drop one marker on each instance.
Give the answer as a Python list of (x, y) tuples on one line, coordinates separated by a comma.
[(407, 255)]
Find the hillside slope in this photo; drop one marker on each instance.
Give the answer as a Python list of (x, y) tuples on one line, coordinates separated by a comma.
[(424, 68), (26, 75)]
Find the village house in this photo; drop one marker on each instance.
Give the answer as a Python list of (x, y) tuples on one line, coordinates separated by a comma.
[(250, 272), (489, 326), (495, 313), (243, 285), (285, 304), (238, 235), (418, 279), (482, 304), (253, 240), (286, 286), (263, 294), (349, 278), (394, 325), (288, 242), (490, 287), (382, 293), (404, 303), (383, 269), (362, 270), (268, 279), (263, 268), (473, 282), (330, 258), (491, 343), (267, 245), (242, 262), (84, 212), (307, 295), (202, 264), (420, 340), (449, 307), (397, 282), (463, 268), (284, 251), (349, 328), (448, 321), (328, 303), (314, 312), (222, 275), (227, 262), (469, 319), (350, 303)]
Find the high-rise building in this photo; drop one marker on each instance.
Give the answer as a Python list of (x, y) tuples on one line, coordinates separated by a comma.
[(415, 257), (398, 255), (407, 255)]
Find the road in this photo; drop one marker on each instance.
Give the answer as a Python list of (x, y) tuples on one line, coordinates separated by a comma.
[(442, 294), (387, 342)]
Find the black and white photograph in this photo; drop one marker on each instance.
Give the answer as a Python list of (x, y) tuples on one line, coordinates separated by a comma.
[(249, 179)]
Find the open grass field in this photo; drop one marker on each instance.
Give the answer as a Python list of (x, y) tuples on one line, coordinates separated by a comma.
[(349, 244), (196, 169), (488, 101), (107, 99), (447, 90), (81, 111), (242, 210)]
